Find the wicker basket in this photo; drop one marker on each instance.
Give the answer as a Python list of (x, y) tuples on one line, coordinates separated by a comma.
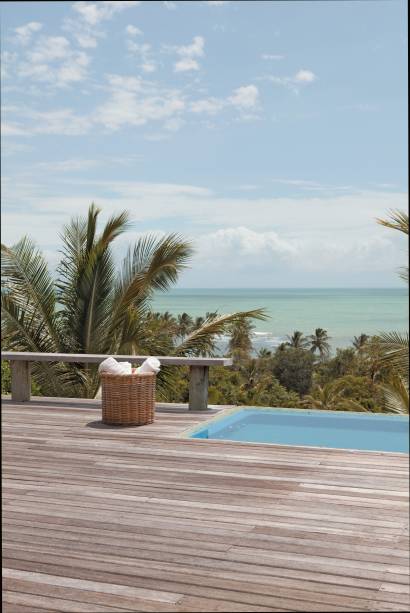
[(128, 400)]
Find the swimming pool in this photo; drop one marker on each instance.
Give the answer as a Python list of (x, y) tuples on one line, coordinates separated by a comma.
[(338, 430)]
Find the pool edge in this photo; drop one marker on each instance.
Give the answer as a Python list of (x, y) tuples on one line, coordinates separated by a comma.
[(188, 432)]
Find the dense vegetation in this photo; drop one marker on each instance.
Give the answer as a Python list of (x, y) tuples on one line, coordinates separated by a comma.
[(93, 308), (294, 376)]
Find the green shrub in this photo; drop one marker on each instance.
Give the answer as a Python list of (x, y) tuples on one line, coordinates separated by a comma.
[(294, 369)]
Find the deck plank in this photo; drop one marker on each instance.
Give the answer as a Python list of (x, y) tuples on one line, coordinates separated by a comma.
[(99, 518)]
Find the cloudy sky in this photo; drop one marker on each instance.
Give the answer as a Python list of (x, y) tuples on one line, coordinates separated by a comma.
[(270, 133)]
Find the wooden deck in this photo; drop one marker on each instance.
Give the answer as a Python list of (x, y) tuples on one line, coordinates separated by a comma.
[(105, 519)]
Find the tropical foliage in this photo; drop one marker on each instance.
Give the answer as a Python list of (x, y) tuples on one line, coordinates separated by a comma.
[(290, 377), (93, 307), (297, 340), (331, 397), (394, 345), (359, 342), (319, 342)]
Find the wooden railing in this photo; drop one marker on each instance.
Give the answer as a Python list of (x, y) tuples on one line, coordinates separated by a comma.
[(20, 363)]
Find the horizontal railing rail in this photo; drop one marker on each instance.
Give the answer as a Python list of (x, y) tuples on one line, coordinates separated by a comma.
[(20, 364)]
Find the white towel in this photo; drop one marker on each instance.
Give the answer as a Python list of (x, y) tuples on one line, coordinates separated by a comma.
[(112, 367), (150, 365), (126, 368)]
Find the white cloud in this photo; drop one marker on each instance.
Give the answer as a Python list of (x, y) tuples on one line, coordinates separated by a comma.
[(216, 2), (171, 6), (314, 186), (245, 97), (327, 239), (302, 78), (61, 121), (246, 243), (84, 27), (49, 48), (268, 258), (24, 33), (305, 76), (129, 101), (133, 30), (127, 108), (209, 106), (94, 13), (134, 84), (188, 53), (136, 102), (186, 64), (148, 67), (53, 61), (144, 52), (195, 49), (86, 36)]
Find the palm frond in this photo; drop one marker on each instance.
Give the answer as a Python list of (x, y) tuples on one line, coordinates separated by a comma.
[(115, 226), (93, 213), (153, 264), (199, 339), (396, 395), (395, 351), (26, 279), (404, 273), (398, 220), (87, 277), (21, 333)]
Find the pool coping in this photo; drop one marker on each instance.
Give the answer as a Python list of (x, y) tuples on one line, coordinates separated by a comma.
[(188, 432)]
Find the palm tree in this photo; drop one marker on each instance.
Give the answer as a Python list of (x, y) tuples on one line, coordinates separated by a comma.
[(198, 322), (297, 340), (360, 341), (319, 341), (264, 353), (240, 342), (185, 323), (395, 346), (93, 308), (331, 397)]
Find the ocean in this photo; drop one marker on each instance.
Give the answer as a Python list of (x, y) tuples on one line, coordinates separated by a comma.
[(344, 313)]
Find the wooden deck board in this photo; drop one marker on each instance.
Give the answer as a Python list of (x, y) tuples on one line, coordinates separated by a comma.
[(139, 519)]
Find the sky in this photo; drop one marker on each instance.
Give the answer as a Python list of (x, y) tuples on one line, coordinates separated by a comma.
[(271, 134)]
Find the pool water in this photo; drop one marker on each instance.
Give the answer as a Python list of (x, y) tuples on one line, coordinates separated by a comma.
[(339, 430)]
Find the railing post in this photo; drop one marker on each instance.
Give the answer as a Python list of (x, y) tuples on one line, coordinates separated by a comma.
[(20, 380), (198, 388)]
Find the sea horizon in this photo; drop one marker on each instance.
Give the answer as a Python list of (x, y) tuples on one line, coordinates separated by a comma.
[(343, 312)]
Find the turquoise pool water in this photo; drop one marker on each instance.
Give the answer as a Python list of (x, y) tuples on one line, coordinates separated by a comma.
[(337, 430)]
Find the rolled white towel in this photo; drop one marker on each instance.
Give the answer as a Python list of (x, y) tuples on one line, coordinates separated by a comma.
[(112, 367), (108, 366), (150, 365), (126, 368)]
